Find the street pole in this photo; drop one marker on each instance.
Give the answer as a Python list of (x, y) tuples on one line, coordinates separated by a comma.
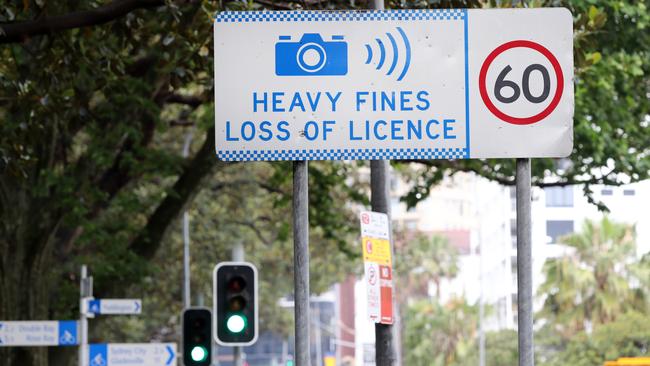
[(385, 354), (481, 309), (238, 256), (301, 262), (187, 302), (385, 347), (85, 291), (524, 265)]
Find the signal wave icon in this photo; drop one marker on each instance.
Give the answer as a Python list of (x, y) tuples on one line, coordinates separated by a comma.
[(394, 54)]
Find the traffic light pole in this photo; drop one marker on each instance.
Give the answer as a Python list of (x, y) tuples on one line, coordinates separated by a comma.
[(238, 256), (524, 265), (301, 262)]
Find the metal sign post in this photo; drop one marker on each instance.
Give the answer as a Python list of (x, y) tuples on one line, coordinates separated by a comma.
[(301, 261), (385, 354), (187, 302), (379, 177), (524, 265), (86, 293)]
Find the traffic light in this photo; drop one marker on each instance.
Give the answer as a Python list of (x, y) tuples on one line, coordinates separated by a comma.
[(235, 303), (197, 333)]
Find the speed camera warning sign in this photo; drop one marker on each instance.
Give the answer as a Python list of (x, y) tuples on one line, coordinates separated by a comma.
[(397, 84)]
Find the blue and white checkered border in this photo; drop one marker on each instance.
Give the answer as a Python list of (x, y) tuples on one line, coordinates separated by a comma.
[(338, 15), (344, 154)]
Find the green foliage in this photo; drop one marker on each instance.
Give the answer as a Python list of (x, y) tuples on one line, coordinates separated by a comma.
[(421, 260), (595, 282), (627, 337), (439, 335), (500, 349), (611, 129), (92, 125)]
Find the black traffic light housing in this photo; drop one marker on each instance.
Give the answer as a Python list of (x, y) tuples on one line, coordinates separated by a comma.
[(235, 303), (197, 333)]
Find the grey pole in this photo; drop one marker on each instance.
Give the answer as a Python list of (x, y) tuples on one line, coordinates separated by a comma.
[(385, 354), (301, 262), (385, 345), (481, 309), (85, 291), (238, 256), (187, 302), (524, 265)]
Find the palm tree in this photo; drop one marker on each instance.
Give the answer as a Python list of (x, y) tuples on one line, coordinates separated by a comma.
[(594, 283), (426, 259)]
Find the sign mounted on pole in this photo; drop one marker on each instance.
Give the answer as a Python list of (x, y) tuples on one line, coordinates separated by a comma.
[(404, 84), (375, 239), (38, 333), (113, 306), (132, 354)]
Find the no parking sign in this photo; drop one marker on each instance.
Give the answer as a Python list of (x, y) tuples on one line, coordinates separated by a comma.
[(407, 84)]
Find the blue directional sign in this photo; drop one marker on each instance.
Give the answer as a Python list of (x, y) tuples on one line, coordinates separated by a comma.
[(114, 306), (132, 354), (38, 333)]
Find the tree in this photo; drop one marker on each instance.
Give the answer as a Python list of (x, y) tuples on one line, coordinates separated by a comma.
[(500, 349), (422, 260), (93, 121), (626, 337), (612, 81), (439, 335), (595, 283)]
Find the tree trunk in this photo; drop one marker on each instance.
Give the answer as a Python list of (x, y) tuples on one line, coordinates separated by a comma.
[(24, 297), (27, 271)]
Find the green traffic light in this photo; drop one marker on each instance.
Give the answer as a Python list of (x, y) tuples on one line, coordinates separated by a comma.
[(199, 353), (236, 323)]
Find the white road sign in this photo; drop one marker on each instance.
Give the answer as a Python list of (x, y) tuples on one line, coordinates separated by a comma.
[(405, 84), (114, 306), (132, 354), (374, 224), (38, 333)]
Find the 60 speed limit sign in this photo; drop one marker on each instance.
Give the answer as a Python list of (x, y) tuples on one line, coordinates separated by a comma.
[(402, 84)]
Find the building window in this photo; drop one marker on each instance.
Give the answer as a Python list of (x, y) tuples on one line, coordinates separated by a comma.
[(607, 192), (559, 196), (628, 192), (558, 228)]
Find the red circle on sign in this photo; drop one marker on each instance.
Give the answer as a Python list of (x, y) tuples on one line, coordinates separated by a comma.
[(519, 120)]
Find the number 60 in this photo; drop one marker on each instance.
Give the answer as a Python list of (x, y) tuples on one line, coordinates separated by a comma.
[(525, 83)]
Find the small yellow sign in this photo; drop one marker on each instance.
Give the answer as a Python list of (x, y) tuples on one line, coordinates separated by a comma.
[(329, 361), (629, 361), (376, 250)]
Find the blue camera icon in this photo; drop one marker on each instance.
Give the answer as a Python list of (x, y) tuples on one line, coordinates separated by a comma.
[(311, 56)]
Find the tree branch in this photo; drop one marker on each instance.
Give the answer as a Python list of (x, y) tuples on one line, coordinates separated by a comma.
[(185, 188), (510, 181), (19, 31), (190, 100)]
